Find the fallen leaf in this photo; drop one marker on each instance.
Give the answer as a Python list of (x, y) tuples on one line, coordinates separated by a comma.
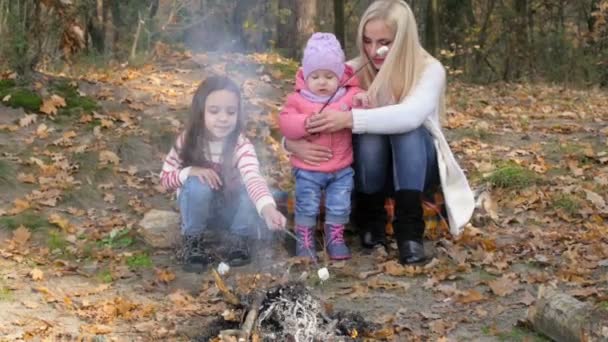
[(584, 292), (596, 199), (527, 299), (180, 298), (95, 329), (20, 205), (503, 286), (36, 274), (62, 223), (108, 157), (470, 296), (49, 106), (42, 131), (21, 235), (109, 198), (27, 120), (29, 304), (573, 166), (164, 275), (26, 178)]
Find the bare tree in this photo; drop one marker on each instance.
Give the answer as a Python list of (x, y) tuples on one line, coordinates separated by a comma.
[(305, 23)]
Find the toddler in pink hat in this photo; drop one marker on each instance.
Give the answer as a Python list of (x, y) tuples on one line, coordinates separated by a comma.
[(322, 74)]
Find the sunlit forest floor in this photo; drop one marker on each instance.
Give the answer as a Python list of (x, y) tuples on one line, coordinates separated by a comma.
[(79, 169)]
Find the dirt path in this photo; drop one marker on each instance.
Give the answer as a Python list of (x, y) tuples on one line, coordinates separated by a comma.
[(540, 153)]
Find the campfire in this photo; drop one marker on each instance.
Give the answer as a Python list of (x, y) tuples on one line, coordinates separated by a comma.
[(287, 312)]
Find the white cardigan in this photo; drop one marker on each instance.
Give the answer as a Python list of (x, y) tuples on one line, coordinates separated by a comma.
[(421, 108)]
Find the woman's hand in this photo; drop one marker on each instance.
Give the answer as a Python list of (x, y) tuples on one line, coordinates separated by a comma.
[(329, 121), (273, 218), (207, 176), (308, 152)]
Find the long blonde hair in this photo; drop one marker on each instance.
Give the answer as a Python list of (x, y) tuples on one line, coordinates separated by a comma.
[(405, 61)]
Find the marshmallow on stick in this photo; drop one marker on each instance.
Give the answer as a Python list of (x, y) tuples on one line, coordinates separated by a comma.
[(382, 51)]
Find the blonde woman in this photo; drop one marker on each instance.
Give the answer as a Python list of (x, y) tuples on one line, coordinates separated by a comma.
[(399, 148)]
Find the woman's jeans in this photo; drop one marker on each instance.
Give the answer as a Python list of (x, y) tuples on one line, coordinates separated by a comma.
[(201, 206), (310, 185), (384, 163)]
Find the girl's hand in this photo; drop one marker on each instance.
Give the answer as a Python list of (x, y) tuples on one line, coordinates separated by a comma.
[(274, 219), (207, 176), (329, 121), (308, 152)]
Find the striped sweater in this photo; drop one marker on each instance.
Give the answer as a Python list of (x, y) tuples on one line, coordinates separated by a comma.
[(174, 174)]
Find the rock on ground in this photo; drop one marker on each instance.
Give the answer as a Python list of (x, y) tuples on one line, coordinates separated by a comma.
[(160, 228)]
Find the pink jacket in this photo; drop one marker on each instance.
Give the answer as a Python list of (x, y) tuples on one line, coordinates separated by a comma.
[(297, 109)]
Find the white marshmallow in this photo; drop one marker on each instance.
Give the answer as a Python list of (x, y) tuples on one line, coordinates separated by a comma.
[(382, 51), (323, 273), (223, 268)]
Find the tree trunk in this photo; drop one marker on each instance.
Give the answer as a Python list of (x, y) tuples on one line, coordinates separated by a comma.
[(286, 27), (305, 23), (521, 38), (339, 21), (564, 318), (432, 27)]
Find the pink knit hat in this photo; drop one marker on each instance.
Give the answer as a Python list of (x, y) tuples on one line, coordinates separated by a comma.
[(323, 51)]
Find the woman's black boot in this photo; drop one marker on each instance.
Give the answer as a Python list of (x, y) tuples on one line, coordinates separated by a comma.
[(409, 226), (370, 218)]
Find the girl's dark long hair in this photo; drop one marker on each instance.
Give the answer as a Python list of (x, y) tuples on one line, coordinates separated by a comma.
[(195, 149)]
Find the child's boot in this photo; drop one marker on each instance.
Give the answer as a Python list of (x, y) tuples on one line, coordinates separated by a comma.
[(191, 254), (334, 242), (305, 244), (239, 251)]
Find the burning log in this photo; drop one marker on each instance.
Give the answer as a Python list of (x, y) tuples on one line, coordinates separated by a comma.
[(230, 297), (245, 332), (564, 318), (290, 312)]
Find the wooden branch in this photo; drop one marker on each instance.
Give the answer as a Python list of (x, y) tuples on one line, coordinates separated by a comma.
[(229, 296), (564, 318), (140, 22)]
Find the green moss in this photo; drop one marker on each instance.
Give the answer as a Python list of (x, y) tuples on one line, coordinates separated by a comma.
[(28, 218), (512, 176), (105, 276), (569, 203), (520, 335), (5, 85), (56, 241), (6, 294), (75, 104), (118, 238), (22, 98), (139, 261)]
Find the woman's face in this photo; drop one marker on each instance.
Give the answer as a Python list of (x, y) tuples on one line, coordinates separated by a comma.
[(377, 34)]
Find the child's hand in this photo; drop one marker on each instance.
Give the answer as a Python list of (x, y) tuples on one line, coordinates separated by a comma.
[(207, 176), (274, 219), (361, 100)]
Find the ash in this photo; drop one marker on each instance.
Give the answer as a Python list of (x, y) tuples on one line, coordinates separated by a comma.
[(291, 313)]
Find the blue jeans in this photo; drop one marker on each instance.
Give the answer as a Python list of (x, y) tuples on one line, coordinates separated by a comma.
[(406, 161), (200, 205), (309, 186)]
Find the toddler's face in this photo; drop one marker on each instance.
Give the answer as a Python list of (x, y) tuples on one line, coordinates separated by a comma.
[(322, 82)]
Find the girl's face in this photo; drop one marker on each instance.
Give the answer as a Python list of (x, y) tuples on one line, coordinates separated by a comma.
[(377, 34), (221, 113), (322, 82)]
